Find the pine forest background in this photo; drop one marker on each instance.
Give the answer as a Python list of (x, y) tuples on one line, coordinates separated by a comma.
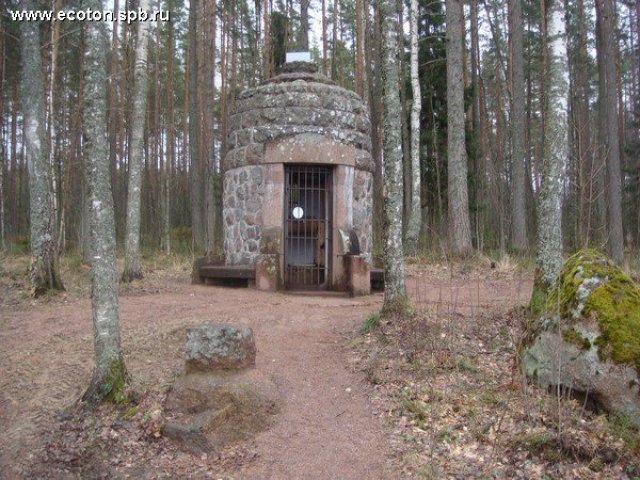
[(211, 50)]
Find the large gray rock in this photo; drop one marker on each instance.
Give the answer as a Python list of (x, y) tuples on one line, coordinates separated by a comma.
[(215, 346), (588, 338)]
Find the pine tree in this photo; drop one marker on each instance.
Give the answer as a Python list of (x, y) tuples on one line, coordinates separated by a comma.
[(458, 210), (518, 210), (606, 19), (303, 42), (195, 169)]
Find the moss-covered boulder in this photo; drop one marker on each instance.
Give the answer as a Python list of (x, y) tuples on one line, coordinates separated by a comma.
[(588, 335)]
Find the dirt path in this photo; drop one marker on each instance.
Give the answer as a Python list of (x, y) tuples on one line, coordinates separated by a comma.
[(325, 429)]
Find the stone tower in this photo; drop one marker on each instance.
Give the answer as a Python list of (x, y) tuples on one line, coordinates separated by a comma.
[(298, 180)]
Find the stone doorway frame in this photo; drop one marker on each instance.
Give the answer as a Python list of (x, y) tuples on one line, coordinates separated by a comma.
[(308, 243)]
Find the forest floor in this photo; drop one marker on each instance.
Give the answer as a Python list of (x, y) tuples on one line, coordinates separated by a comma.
[(435, 396)]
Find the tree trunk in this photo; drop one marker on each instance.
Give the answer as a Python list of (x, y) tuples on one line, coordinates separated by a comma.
[(44, 269), (518, 208), (123, 111), (3, 159), (359, 73), (375, 115), (415, 216), (606, 17), (171, 152), (303, 41), (3, 243), (58, 226), (85, 213), (110, 374), (14, 187), (197, 224), (556, 146), (132, 267), (114, 115), (210, 192), (477, 173), (155, 159), (599, 170), (334, 45), (395, 296), (583, 136), (404, 116), (324, 37), (266, 49), (458, 211)]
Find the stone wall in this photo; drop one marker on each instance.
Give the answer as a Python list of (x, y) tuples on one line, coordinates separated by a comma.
[(242, 214), (293, 105), (363, 211), (295, 118)]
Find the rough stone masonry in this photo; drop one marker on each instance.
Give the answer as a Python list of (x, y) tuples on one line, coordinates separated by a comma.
[(297, 117)]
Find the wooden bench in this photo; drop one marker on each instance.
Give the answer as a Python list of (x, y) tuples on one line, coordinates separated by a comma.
[(245, 275), (227, 275)]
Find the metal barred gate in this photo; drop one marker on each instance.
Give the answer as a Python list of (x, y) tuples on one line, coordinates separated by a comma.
[(307, 218)]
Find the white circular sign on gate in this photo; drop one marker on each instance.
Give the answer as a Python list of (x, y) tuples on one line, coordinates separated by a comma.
[(297, 213)]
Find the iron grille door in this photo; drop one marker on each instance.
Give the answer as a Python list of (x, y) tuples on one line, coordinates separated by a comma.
[(307, 219)]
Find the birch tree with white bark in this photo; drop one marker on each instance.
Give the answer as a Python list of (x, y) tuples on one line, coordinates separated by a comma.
[(44, 269), (132, 266), (110, 374), (395, 294), (415, 214), (556, 152)]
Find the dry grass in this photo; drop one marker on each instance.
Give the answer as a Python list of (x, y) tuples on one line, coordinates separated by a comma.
[(449, 386), (76, 276)]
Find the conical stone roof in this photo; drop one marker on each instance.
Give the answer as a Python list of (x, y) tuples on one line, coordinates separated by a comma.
[(297, 102)]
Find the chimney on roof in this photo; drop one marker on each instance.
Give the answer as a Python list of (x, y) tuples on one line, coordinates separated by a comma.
[(298, 57), (299, 62)]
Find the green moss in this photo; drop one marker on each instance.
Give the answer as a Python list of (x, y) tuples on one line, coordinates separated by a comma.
[(564, 294), (538, 299), (109, 385), (114, 382), (590, 286), (617, 306)]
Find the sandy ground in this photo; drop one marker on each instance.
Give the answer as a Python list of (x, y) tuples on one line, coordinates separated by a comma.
[(327, 428)]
